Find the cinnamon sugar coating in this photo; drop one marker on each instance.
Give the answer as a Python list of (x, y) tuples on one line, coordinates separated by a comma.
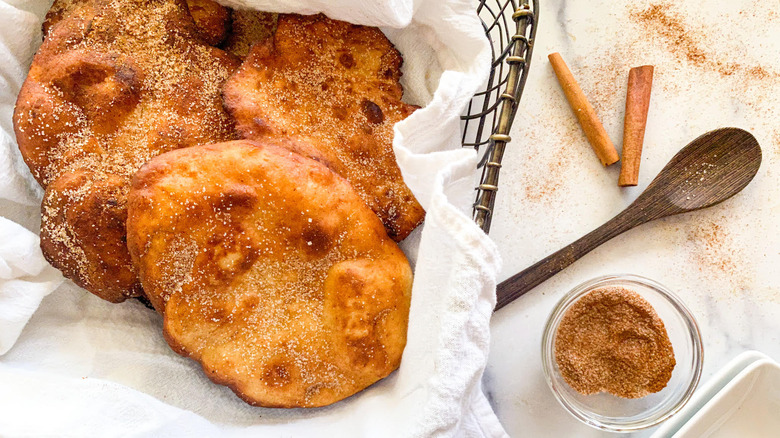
[(113, 84), (212, 20), (270, 271), (333, 89)]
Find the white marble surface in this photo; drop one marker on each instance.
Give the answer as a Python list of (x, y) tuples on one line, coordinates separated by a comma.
[(716, 64)]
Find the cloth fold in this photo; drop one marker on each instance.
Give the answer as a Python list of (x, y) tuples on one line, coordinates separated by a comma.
[(25, 278), (105, 367)]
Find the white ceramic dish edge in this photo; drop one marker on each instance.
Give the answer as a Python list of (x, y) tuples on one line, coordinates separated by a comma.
[(725, 409), (707, 391)]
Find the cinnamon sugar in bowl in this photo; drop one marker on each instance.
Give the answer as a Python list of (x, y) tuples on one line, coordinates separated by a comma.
[(621, 353)]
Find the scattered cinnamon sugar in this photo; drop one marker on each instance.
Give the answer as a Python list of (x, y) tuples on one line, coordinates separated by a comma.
[(714, 243), (606, 89), (776, 140), (715, 248), (612, 340), (159, 89), (547, 184), (684, 42), (657, 17)]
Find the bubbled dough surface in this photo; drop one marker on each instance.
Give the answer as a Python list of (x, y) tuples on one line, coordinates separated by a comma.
[(112, 85), (270, 271), (332, 87)]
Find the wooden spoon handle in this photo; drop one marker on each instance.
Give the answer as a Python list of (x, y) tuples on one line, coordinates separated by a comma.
[(517, 285)]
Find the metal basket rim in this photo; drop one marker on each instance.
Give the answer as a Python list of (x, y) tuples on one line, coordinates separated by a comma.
[(525, 16)]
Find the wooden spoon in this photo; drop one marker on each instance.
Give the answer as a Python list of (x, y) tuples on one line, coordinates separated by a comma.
[(709, 170)]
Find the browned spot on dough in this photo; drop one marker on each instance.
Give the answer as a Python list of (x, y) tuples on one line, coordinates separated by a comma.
[(228, 255), (276, 375), (347, 60), (101, 86), (317, 239), (365, 351), (340, 112), (250, 302), (235, 196), (373, 112)]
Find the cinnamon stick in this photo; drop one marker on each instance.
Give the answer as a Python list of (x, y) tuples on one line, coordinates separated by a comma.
[(640, 83), (589, 121)]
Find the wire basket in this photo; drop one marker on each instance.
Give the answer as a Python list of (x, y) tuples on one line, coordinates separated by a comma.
[(510, 26)]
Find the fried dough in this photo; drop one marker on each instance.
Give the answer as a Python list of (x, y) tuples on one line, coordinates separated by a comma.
[(270, 271), (248, 27), (211, 18), (111, 87), (334, 86), (62, 9)]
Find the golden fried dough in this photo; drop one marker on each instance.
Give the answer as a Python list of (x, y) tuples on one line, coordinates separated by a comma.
[(112, 86), (270, 271), (211, 19), (335, 86), (83, 232), (248, 27), (60, 10)]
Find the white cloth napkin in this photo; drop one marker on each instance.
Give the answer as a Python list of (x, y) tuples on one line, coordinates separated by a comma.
[(85, 367)]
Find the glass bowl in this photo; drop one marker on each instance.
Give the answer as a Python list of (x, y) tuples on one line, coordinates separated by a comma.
[(608, 412)]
